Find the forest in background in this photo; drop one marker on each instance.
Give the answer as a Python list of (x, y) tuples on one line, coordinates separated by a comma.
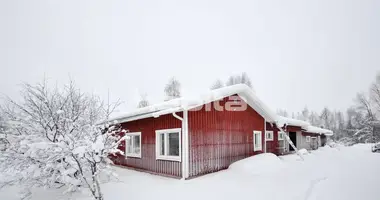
[(355, 125)]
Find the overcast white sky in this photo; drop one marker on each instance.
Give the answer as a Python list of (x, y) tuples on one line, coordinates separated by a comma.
[(297, 53)]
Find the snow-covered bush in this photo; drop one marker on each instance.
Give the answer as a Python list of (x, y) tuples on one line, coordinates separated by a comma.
[(332, 144), (54, 140)]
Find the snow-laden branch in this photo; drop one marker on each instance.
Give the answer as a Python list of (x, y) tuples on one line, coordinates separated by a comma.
[(54, 140)]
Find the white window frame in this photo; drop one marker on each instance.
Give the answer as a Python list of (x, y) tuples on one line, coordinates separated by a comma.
[(134, 155), (166, 132), (308, 139), (279, 133), (258, 147), (270, 134)]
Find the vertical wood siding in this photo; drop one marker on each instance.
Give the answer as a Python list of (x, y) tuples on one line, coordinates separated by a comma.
[(148, 161), (272, 146), (219, 138)]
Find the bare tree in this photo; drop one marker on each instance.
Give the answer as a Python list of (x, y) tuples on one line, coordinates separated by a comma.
[(55, 140), (364, 104), (143, 101), (173, 89), (217, 84)]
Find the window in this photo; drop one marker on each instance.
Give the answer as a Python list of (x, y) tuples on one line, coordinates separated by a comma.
[(133, 145), (280, 135), (269, 135), (257, 143), (281, 144), (168, 144), (307, 139)]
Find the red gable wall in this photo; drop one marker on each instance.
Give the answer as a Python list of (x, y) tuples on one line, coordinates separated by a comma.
[(219, 138), (216, 139)]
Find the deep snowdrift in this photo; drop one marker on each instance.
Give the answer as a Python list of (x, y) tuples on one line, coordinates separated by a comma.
[(341, 173), (260, 164)]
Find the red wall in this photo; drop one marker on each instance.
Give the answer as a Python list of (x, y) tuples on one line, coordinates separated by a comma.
[(292, 128), (219, 138), (272, 146), (148, 161), (216, 139)]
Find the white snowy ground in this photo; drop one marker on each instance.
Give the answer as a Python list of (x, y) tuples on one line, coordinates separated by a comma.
[(342, 173)]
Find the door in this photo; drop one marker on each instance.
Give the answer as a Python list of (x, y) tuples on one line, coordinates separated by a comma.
[(293, 138)]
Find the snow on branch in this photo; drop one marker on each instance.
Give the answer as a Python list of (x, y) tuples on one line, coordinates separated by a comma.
[(54, 140)]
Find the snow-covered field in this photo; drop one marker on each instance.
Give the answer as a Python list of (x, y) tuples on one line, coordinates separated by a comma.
[(341, 173)]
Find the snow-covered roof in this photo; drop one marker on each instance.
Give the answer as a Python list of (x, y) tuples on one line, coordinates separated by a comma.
[(314, 129), (181, 104), (282, 121)]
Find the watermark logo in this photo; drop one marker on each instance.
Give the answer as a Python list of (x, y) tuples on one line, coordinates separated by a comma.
[(233, 103)]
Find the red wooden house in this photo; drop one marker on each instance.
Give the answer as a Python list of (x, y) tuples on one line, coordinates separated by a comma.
[(187, 138)]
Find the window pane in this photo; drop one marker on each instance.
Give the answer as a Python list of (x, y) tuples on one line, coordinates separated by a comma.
[(173, 145), (162, 144), (256, 139), (129, 145), (136, 144)]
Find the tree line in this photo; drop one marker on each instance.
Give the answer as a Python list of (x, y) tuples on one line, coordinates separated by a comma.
[(172, 89), (356, 124)]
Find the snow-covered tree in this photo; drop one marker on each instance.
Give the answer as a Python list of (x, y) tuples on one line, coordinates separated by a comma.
[(173, 89), (282, 112), (375, 96), (339, 131), (54, 140), (362, 117), (314, 119), (217, 84), (239, 79), (325, 118), (246, 80), (3, 129), (143, 101), (305, 114)]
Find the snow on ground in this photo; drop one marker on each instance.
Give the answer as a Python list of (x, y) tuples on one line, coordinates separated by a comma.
[(341, 173)]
